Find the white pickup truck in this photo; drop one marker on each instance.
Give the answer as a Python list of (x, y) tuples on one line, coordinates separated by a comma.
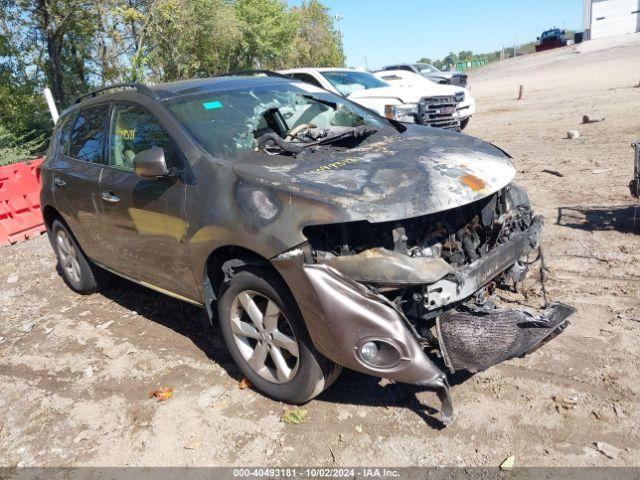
[(400, 97)]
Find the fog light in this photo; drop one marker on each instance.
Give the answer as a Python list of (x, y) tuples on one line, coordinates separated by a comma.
[(369, 351)]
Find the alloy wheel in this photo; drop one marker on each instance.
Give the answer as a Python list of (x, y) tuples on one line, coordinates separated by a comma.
[(68, 256), (264, 336)]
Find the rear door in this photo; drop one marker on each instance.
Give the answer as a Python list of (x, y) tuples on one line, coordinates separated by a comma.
[(142, 224), (76, 174)]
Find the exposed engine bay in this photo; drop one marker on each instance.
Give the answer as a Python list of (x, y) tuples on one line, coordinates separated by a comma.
[(439, 271)]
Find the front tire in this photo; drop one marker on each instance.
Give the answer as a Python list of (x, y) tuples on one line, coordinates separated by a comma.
[(464, 123), (77, 270), (267, 338)]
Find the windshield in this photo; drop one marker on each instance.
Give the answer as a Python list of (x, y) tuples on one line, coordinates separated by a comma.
[(347, 82), (551, 33), (426, 68), (233, 120)]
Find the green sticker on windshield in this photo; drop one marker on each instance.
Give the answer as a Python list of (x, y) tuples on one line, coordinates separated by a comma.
[(212, 105)]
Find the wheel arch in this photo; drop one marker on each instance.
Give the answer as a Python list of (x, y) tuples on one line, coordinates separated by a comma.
[(49, 214), (219, 266)]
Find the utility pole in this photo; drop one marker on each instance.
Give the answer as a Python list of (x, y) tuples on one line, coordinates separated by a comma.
[(338, 19)]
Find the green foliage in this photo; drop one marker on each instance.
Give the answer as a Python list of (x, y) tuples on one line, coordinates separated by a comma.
[(15, 149), (316, 43), (74, 46), (188, 38), (267, 29)]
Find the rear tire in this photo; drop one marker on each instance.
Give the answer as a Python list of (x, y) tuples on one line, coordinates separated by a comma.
[(268, 339), (77, 270)]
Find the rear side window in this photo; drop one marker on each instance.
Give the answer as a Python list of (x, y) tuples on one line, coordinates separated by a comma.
[(87, 137), (134, 129), (60, 141)]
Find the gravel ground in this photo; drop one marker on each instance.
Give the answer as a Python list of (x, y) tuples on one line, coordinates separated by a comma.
[(75, 371)]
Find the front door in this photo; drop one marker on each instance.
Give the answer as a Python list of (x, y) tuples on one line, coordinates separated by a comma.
[(143, 227)]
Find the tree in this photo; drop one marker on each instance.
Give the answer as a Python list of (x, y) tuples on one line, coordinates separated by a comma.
[(316, 42), (73, 46), (268, 29), (190, 38)]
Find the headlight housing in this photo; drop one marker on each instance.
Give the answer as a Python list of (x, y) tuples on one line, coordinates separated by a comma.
[(405, 112)]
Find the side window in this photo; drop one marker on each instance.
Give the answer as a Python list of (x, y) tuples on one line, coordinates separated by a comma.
[(134, 129), (87, 137)]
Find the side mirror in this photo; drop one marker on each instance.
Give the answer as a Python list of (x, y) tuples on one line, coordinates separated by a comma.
[(150, 163)]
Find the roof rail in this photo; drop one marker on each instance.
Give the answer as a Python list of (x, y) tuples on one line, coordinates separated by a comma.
[(136, 86), (268, 73)]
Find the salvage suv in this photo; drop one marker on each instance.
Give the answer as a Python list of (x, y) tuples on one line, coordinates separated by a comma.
[(317, 233)]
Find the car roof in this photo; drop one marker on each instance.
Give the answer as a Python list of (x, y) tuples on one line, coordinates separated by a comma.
[(164, 91), (218, 84)]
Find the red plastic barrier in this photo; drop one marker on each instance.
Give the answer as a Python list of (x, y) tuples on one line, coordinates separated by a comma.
[(20, 215)]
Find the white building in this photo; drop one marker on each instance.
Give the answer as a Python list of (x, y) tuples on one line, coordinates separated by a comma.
[(607, 18)]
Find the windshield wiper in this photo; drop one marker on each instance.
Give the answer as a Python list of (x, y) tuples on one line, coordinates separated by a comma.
[(272, 143), (319, 100), (361, 131)]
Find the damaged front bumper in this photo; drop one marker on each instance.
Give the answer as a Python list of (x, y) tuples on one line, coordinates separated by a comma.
[(351, 309), (476, 340)]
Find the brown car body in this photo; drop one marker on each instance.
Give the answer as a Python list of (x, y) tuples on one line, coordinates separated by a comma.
[(344, 228)]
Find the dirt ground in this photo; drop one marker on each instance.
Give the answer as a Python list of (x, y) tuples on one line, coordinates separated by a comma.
[(75, 371)]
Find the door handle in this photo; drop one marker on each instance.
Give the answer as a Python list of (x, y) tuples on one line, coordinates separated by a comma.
[(59, 182), (110, 197)]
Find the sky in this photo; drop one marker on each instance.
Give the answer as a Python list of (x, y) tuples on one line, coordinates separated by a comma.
[(390, 31)]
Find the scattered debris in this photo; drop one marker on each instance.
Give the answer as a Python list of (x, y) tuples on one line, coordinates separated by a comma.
[(244, 383), (342, 438), (521, 92), (553, 172), (587, 119), (193, 445), (617, 409), (566, 403), (572, 134), (295, 415), (211, 396), (13, 279), (161, 394), (221, 403), (359, 428), (27, 327), (508, 463), (88, 372), (105, 325), (601, 170), (85, 313), (607, 449)]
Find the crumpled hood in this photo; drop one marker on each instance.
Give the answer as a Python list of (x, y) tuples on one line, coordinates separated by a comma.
[(392, 177)]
